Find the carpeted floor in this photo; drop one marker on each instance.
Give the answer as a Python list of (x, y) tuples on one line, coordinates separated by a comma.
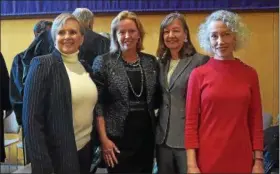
[(9, 168)]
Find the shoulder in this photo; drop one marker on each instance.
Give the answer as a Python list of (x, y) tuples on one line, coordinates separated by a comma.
[(200, 58), (202, 68), (148, 57), (44, 62), (44, 59), (95, 36), (102, 60), (249, 70), (105, 57)]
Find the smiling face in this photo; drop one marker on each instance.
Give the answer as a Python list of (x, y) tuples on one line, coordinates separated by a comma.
[(174, 35), (69, 38), (128, 35), (222, 40)]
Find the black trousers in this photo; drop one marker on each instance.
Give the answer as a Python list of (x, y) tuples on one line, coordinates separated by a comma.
[(130, 161), (171, 160), (134, 160), (85, 158), (2, 148)]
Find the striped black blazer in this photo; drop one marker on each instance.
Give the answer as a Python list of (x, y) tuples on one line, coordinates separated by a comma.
[(47, 117)]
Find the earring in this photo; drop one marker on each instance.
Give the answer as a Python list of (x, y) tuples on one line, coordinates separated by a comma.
[(185, 40)]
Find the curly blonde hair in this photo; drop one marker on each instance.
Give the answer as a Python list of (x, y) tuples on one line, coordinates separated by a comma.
[(231, 20)]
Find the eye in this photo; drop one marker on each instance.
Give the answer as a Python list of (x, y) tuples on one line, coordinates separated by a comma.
[(61, 32), (227, 34), (72, 32), (121, 32), (213, 36), (165, 32)]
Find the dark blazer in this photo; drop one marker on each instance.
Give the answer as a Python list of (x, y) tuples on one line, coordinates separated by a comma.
[(47, 117), (113, 100), (94, 45), (41, 45), (16, 86), (5, 102), (171, 121)]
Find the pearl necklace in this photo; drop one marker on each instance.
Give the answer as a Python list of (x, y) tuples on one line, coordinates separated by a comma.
[(136, 64)]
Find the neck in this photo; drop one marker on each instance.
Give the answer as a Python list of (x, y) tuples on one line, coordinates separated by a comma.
[(174, 54), (229, 57), (130, 56), (70, 58)]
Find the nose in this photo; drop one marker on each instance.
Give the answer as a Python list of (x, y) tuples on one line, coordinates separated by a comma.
[(127, 34), (170, 34), (220, 40), (67, 35)]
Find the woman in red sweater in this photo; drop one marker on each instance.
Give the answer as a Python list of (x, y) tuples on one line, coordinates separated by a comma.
[(223, 131)]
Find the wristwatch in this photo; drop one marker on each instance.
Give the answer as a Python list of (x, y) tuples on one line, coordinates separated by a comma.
[(259, 158)]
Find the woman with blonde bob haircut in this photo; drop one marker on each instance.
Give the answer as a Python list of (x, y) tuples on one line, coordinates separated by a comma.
[(223, 130), (127, 82), (59, 99)]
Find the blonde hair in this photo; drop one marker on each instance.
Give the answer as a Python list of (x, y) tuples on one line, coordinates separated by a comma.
[(60, 20), (114, 46)]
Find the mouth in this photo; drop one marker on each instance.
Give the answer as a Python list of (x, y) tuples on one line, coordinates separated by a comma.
[(127, 42), (68, 44), (221, 48), (172, 41)]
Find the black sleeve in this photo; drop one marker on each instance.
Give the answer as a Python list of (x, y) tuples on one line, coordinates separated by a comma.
[(158, 94), (99, 77), (34, 102), (5, 102)]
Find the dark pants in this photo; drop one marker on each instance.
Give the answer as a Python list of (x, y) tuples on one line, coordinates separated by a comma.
[(131, 162), (85, 158), (171, 160), (2, 148), (135, 160)]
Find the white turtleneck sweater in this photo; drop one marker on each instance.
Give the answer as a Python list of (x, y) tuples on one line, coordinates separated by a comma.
[(84, 98)]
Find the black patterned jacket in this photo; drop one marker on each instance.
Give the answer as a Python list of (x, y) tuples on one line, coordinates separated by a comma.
[(113, 100)]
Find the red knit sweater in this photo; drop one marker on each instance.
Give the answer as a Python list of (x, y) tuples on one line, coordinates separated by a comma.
[(224, 116)]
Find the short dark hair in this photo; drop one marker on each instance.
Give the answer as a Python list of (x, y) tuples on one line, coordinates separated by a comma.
[(42, 26)]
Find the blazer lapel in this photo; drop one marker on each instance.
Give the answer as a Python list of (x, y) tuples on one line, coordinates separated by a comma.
[(183, 64), (118, 73), (64, 77), (163, 75), (150, 76)]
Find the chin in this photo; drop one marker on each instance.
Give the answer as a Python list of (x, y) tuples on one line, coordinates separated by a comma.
[(172, 47), (69, 51)]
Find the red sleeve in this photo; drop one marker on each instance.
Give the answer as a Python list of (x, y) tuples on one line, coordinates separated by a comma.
[(192, 111), (255, 115)]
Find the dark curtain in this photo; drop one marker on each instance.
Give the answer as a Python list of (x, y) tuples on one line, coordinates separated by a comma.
[(30, 7)]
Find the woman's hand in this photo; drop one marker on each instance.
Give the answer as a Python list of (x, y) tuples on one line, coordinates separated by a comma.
[(108, 150), (258, 167), (193, 170)]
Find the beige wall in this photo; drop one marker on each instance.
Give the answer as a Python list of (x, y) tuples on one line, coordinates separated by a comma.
[(262, 52)]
